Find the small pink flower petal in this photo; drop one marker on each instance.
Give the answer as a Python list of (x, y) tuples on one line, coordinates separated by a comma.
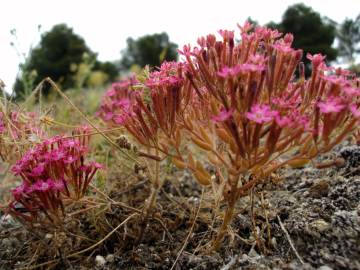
[(223, 115)]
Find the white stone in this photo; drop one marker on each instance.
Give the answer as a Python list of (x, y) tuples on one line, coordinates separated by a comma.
[(110, 258), (100, 260)]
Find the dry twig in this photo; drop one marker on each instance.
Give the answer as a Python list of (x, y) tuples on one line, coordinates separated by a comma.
[(289, 240), (190, 232)]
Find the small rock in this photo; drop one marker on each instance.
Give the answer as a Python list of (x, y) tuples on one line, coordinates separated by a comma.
[(6, 221), (110, 258), (100, 260), (253, 254), (324, 267), (243, 259), (319, 189), (351, 154), (273, 242), (320, 225)]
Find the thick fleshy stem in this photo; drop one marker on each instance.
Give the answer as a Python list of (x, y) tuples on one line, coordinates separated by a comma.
[(147, 211), (229, 212), (151, 202)]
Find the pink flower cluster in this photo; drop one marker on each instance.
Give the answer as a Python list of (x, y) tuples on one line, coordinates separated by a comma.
[(168, 76), (246, 87), (116, 106), (261, 114), (51, 171)]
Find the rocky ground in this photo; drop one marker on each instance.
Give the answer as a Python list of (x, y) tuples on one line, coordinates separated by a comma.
[(316, 210)]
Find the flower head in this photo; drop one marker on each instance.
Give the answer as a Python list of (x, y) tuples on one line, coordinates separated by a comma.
[(167, 76), (355, 111), (351, 91), (316, 59), (229, 72), (223, 115), (261, 114), (42, 186), (332, 105)]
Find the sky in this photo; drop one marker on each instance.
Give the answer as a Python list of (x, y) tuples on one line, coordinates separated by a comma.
[(105, 25)]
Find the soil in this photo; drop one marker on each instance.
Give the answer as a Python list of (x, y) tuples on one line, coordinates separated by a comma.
[(319, 210)]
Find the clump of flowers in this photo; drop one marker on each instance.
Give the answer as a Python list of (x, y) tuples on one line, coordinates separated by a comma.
[(243, 107), (52, 172), (115, 106)]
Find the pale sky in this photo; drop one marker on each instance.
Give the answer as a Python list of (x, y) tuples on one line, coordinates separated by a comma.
[(105, 25)]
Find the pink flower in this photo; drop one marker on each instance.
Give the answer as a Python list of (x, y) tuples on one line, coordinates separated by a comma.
[(355, 110), (186, 51), (17, 168), (284, 121), (54, 155), (285, 102), (202, 42), (288, 38), (124, 103), (38, 170), (226, 35), (261, 114), (42, 186), (252, 67), (316, 59), (283, 47), (70, 159), (56, 185), (19, 191), (331, 105), (108, 116), (246, 27), (223, 115), (334, 79), (167, 76), (111, 92), (96, 165), (228, 72), (210, 40), (294, 120), (351, 91)]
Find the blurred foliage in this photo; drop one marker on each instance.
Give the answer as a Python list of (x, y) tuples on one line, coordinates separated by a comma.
[(108, 68), (348, 35), (149, 50), (63, 56), (312, 33), (355, 68), (3, 93), (97, 79), (59, 49)]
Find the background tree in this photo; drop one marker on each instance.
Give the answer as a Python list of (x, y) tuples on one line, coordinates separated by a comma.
[(108, 68), (312, 33), (63, 56), (348, 35), (58, 50), (148, 50)]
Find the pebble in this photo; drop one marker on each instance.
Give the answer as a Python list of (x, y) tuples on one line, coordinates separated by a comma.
[(320, 225), (253, 253), (48, 236), (100, 260), (319, 189), (324, 267), (110, 258)]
